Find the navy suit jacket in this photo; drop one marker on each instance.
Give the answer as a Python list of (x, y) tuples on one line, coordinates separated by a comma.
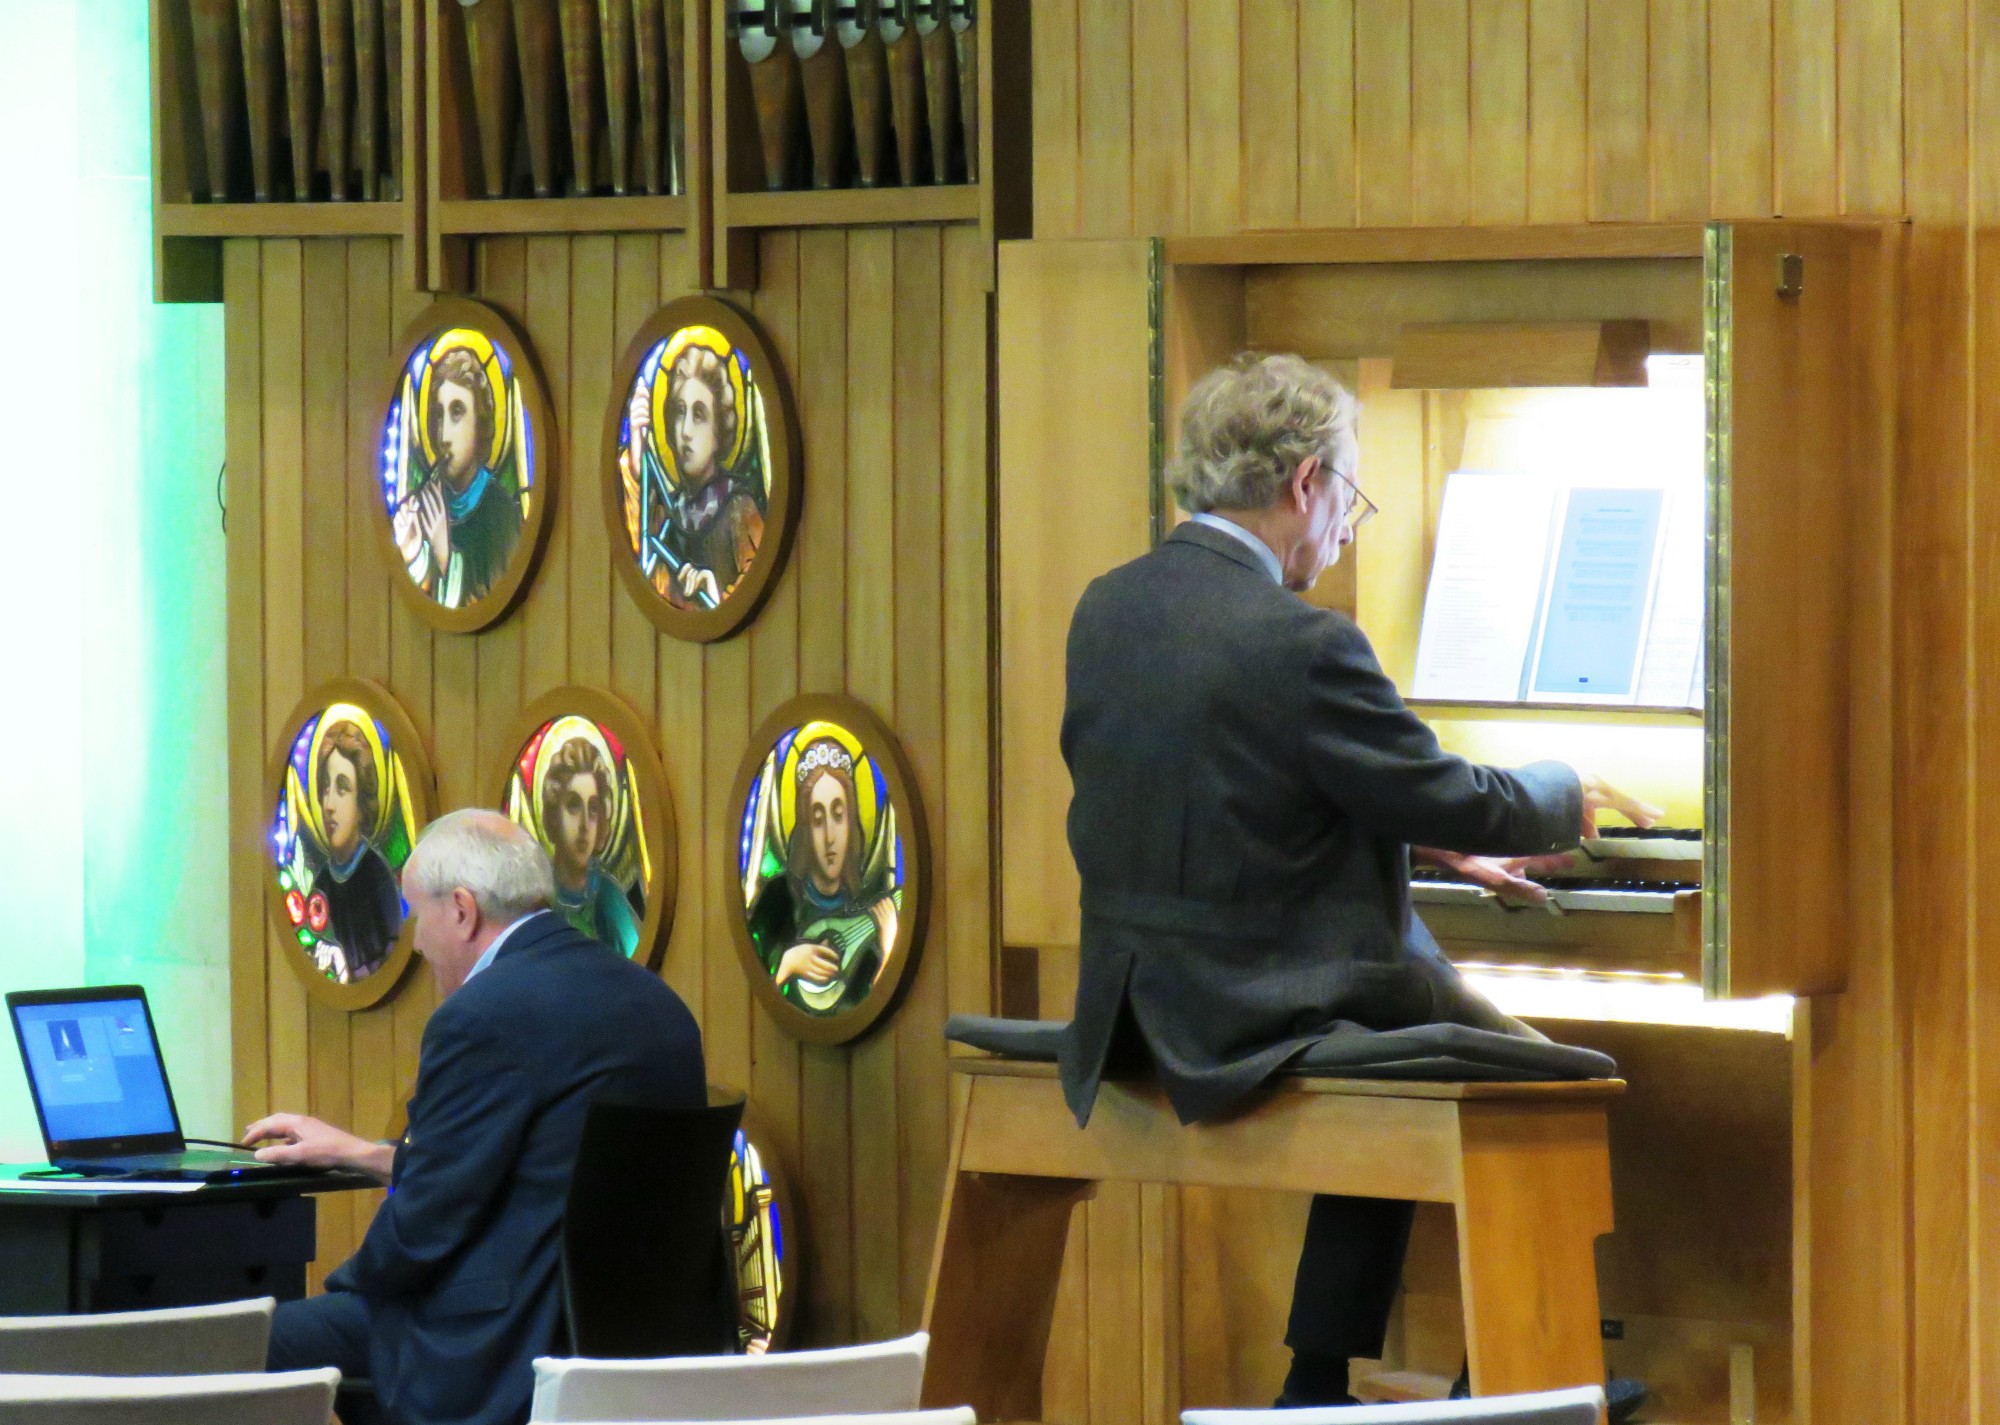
[(461, 1266), (1247, 784)]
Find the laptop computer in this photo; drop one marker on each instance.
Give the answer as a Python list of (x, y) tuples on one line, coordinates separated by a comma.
[(101, 1092)]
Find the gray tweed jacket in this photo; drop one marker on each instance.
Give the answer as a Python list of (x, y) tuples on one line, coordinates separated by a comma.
[(1247, 786)]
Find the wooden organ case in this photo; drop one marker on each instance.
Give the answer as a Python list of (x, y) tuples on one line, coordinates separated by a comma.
[(1752, 358)]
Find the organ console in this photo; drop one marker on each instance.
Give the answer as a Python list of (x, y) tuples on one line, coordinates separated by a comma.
[(1575, 355)]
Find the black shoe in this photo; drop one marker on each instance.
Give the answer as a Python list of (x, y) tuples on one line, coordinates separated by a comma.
[(1286, 1402), (1622, 1398), (1623, 1395), (1314, 1380)]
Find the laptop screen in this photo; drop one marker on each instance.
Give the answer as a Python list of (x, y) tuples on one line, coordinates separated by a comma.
[(94, 1069)]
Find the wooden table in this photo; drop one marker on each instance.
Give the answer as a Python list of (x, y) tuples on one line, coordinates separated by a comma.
[(1525, 1168)]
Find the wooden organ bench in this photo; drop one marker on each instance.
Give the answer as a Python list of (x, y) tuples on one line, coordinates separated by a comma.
[(1524, 1166)]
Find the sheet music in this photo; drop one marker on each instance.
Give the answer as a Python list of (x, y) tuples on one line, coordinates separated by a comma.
[(1485, 586), (1600, 596), (1670, 675)]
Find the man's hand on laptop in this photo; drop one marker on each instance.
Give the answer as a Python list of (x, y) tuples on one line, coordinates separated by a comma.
[(294, 1138)]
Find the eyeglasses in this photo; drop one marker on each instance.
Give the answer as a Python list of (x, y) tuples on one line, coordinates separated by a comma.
[(1360, 509)]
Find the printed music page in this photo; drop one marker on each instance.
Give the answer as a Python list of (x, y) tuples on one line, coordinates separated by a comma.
[(1600, 596), (1670, 672), (1485, 587)]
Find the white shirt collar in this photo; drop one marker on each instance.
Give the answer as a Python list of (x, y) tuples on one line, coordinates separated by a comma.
[(501, 939), (1257, 546)]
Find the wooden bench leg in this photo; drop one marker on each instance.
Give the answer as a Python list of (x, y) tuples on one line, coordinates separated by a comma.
[(993, 1291), (1536, 1195)]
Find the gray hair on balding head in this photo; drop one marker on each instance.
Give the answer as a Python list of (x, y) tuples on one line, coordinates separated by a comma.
[(1247, 426), (482, 852)]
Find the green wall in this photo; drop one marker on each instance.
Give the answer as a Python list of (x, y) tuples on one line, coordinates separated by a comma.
[(111, 565)]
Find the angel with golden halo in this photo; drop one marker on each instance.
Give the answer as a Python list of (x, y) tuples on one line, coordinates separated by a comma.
[(695, 466), (339, 822), (572, 791), (823, 869), (451, 476)]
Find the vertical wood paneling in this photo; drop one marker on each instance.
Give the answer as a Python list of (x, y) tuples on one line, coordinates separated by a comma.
[(593, 274), (1620, 187), (1104, 110), (1983, 998), (1440, 117), (414, 682), (964, 831), (885, 595), (545, 615), (1159, 116), (821, 571), (1740, 140), (1677, 120), (922, 1104), (242, 354), (504, 283), (281, 415), (1931, 810), (1804, 68), (1270, 89), (1326, 113), (1558, 111), (326, 560), (1382, 111), (1215, 116), (1499, 112), (634, 640), (372, 1034), (1870, 91), (872, 677), (1937, 152), (774, 677), (1057, 135)]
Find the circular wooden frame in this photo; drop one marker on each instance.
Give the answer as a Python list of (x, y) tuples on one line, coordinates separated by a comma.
[(657, 821), (500, 600), (781, 517), (880, 744), (784, 1206), (406, 743)]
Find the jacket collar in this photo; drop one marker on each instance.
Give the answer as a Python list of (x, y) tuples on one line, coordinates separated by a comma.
[(1216, 542)]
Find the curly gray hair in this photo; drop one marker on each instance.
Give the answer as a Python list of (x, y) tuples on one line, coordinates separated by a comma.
[(483, 852), (1246, 427)]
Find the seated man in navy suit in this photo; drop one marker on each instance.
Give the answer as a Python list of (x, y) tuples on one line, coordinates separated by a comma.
[(456, 1286)]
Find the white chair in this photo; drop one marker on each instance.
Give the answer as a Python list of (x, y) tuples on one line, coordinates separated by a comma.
[(178, 1341), (962, 1415), (1580, 1406), (285, 1398), (887, 1376)]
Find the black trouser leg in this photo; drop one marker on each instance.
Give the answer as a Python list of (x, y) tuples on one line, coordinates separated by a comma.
[(1349, 1269), (327, 1330)]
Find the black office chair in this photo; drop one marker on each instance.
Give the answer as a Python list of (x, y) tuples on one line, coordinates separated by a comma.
[(646, 1265)]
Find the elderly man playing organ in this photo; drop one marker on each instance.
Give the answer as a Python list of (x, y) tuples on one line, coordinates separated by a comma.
[(1249, 790)]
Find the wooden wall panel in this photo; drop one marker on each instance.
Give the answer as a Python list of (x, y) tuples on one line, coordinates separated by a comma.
[(886, 336), (1614, 110)]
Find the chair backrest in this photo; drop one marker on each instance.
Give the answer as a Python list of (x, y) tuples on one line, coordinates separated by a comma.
[(1580, 1406), (847, 1380), (962, 1415), (283, 1398), (177, 1341), (646, 1267)]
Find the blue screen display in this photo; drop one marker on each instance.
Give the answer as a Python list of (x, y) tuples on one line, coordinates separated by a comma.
[(96, 1072)]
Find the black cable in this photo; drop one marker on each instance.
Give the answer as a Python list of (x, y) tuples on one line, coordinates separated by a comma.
[(221, 503), (219, 1143)]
